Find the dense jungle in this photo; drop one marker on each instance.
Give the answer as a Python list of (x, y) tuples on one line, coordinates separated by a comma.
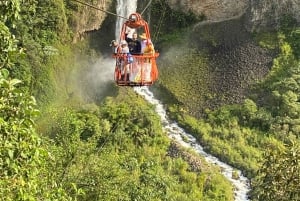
[(67, 132)]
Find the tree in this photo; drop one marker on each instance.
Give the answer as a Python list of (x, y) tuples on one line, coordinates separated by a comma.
[(279, 177), (24, 169), (24, 166)]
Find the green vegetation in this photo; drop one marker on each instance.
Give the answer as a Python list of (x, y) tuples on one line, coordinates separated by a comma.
[(278, 177), (256, 135), (119, 152), (25, 170), (60, 146), (186, 86), (245, 130), (266, 39), (170, 24)]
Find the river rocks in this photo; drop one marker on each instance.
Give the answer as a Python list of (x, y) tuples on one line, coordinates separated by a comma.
[(176, 151), (236, 60), (235, 70)]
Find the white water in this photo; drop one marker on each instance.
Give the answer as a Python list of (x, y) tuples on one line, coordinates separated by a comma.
[(124, 9), (241, 185)]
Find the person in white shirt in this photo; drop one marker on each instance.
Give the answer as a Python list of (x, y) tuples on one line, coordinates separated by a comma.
[(124, 61), (124, 47)]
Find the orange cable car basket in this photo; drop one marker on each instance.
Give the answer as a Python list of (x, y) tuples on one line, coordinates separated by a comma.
[(142, 69)]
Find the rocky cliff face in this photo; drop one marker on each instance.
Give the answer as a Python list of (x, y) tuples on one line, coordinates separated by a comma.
[(259, 13), (88, 19), (267, 13), (213, 10)]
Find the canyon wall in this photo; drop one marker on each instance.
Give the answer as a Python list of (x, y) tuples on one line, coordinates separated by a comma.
[(85, 18), (267, 13), (259, 14), (212, 10)]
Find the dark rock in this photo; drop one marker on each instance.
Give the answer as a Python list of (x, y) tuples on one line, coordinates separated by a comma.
[(176, 151)]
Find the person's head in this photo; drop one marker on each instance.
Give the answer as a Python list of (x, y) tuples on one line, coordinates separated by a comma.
[(143, 36), (123, 43), (134, 36), (113, 43)]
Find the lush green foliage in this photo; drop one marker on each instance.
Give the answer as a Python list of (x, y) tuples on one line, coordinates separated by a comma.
[(10, 11), (222, 136), (25, 171), (24, 162), (118, 151), (8, 46), (246, 129), (186, 86), (39, 29), (281, 90), (278, 178), (240, 134), (288, 26), (169, 23), (9, 15)]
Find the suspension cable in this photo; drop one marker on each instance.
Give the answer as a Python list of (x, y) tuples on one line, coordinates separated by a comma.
[(89, 5), (146, 7)]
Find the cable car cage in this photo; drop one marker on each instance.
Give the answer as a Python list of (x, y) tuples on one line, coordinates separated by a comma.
[(135, 69)]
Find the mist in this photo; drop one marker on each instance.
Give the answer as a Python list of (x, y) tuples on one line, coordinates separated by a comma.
[(94, 80)]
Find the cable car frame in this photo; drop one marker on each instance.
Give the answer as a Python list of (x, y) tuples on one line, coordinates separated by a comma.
[(142, 71)]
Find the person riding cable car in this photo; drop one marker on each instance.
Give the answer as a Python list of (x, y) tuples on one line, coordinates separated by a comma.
[(133, 43), (140, 62)]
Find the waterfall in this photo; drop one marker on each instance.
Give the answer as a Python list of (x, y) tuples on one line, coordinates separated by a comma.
[(124, 9), (241, 185)]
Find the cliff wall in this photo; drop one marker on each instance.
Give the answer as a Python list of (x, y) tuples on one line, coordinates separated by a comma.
[(86, 19), (212, 10), (259, 14), (267, 13)]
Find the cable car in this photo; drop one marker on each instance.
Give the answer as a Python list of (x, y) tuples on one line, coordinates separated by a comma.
[(136, 69)]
